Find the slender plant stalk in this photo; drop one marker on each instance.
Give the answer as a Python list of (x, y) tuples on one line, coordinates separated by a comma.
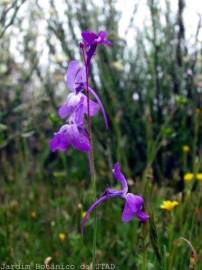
[(195, 139), (91, 160)]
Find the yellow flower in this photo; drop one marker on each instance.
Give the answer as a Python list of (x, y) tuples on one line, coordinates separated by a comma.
[(199, 177), (169, 205), (6, 2), (188, 177), (197, 110), (33, 214), (14, 204), (83, 214), (118, 65), (62, 236), (186, 148)]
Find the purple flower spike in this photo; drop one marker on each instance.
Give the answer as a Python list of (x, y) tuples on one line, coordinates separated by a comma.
[(77, 104), (133, 203)]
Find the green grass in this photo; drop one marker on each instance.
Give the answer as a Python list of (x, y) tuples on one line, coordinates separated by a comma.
[(35, 209)]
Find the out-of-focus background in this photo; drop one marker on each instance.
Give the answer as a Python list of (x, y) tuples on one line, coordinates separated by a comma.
[(150, 82)]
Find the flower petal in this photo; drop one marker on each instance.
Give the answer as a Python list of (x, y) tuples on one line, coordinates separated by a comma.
[(132, 206), (127, 214), (60, 140), (75, 76), (70, 134), (93, 106), (88, 37), (69, 106), (142, 216), (101, 39), (120, 177), (79, 139), (77, 116), (105, 42), (102, 34), (64, 111), (80, 78), (71, 74)]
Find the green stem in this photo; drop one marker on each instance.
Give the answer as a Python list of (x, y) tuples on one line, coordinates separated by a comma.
[(92, 163), (93, 178), (195, 140)]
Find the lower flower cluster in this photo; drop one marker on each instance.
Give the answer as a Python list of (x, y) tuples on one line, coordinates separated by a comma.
[(133, 203)]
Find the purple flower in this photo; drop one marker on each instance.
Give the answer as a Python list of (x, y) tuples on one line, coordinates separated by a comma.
[(133, 203), (91, 38), (76, 82), (90, 42), (70, 134), (73, 101), (73, 133)]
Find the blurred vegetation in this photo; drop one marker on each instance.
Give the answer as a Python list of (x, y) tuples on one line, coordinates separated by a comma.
[(152, 95)]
